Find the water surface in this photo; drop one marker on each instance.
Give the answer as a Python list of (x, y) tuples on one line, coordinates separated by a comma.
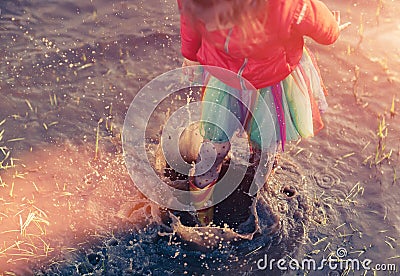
[(70, 68)]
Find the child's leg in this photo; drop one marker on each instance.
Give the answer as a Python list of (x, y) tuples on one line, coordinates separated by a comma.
[(206, 173), (264, 162), (265, 137), (221, 117)]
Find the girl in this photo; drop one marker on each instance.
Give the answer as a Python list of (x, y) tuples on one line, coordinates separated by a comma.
[(262, 42)]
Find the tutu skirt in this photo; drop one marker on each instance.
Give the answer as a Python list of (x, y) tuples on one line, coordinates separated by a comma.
[(286, 111)]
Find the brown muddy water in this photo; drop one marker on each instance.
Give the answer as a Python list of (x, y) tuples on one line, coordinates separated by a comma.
[(69, 70)]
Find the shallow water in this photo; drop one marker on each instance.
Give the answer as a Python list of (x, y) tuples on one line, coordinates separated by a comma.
[(69, 68)]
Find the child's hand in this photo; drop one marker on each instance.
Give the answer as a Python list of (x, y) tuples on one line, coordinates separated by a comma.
[(188, 71), (336, 14), (188, 62)]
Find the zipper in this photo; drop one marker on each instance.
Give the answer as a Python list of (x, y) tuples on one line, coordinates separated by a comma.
[(240, 72), (228, 37)]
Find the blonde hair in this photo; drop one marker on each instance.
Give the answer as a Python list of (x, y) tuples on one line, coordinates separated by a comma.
[(249, 15)]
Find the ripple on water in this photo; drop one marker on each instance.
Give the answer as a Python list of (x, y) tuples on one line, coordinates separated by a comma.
[(326, 179)]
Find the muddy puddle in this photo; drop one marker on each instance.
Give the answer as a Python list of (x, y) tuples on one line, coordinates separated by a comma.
[(68, 72)]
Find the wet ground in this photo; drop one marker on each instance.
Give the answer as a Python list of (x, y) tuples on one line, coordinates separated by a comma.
[(69, 70)]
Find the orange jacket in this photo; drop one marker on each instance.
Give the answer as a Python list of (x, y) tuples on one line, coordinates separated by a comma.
[(279, 46)]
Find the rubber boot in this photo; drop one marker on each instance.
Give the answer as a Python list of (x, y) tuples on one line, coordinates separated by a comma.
[(205, 176)]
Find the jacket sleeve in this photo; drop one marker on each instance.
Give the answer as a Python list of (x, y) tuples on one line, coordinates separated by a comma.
[(313, 18), (190, 36)]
